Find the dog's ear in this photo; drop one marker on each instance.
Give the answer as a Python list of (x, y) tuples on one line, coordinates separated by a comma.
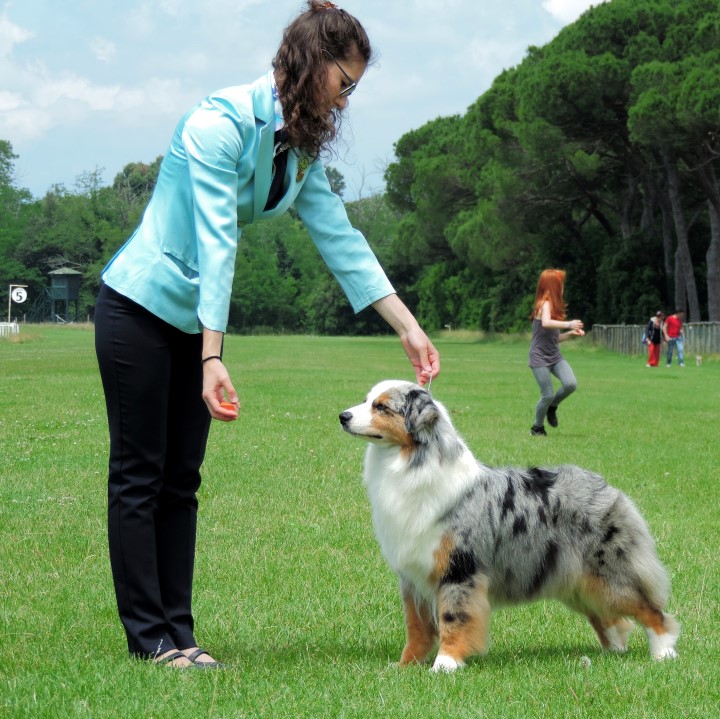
[(421, 412)]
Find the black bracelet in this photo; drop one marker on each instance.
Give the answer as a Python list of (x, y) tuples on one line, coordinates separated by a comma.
[(207, 359)]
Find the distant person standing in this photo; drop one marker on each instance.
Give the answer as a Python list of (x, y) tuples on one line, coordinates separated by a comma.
[(673, 332), (654, 338), (548, 318)]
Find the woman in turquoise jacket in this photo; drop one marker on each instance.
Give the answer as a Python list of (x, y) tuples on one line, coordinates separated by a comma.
[(243, 154)]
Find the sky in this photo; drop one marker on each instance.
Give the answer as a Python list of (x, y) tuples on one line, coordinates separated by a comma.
[(92, 85)]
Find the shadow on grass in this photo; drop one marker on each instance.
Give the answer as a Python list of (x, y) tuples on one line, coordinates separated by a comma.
[(356, 653)]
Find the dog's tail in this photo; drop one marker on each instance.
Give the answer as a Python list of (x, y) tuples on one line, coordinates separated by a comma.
[(647, 571)]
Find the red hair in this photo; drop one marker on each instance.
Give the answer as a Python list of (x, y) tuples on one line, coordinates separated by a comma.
[(550, 289)]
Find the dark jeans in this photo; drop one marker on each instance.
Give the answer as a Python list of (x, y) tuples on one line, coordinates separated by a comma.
[(152, 378)]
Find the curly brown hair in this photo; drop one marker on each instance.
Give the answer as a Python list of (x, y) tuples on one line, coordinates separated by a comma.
[(321, 33)]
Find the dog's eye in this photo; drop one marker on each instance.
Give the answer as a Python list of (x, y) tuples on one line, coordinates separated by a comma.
[(380, 407)]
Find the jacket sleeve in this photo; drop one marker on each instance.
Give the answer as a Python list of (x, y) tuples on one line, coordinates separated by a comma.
[(213, 142), (343, 248)]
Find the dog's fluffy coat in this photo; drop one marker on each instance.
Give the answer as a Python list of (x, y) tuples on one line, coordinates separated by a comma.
[(465, 538)]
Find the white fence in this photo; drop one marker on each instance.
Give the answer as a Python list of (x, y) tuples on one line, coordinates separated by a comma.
[(9, 328), (701, 338)]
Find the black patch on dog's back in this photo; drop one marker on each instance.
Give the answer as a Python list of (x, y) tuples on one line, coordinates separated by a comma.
[(547, 566), (519, 526), (508, 503), (542, 517), (539, 482), (611, 532), (461, 567)]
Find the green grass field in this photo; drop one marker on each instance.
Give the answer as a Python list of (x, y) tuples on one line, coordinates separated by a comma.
[(291, 590)]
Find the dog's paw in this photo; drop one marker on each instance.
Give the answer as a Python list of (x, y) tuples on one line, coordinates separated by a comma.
[(665, 653), (445, 663), (617, 635), (662, 646)]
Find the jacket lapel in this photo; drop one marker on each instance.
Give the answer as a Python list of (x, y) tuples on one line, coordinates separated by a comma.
[(298, 163), (263, 107)]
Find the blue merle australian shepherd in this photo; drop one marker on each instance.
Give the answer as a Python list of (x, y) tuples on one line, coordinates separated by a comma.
[(464, 538)]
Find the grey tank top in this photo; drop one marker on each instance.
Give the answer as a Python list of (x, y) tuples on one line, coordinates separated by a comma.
[(544, 346)]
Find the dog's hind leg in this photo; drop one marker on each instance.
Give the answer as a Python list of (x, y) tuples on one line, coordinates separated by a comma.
[(612, 633), (610, 605), (662, 631), (420, 628), (612, 630), (463, 618)]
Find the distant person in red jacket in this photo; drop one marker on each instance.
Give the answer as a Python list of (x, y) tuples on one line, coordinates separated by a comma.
[(673, 332)]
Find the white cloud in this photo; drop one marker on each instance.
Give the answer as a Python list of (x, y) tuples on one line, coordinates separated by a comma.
[(103, 49), (76, 74), (71, 100), (9, 101), (11, 35), (78, 90), (568, 10), (140, 21), (171, 7), (25, 123)]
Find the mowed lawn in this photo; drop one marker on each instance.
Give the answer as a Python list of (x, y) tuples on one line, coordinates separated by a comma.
[(291, 590)]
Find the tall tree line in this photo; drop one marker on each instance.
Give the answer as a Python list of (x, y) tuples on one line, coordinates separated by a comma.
[(598, 153)]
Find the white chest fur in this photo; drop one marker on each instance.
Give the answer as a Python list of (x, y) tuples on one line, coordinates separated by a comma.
[(407, 506)]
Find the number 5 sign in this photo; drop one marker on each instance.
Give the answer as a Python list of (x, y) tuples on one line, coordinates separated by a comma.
[(17, 294)]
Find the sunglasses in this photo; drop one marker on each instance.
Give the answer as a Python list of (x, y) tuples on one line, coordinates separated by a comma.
[(350, 88)]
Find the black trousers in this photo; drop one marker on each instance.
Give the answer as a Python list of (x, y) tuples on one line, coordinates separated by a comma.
[(152, 378)]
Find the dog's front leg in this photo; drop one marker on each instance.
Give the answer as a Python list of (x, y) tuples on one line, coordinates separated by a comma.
[(419, 626), (463, 618)]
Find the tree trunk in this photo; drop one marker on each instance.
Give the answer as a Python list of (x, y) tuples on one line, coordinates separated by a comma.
[(713, 264), (708, 181), (667, 235), (685, 287)]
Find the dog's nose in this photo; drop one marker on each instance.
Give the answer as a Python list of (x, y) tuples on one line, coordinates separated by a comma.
[(345, 417)]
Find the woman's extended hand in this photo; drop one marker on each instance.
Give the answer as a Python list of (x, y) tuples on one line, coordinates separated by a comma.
[(423, 356), (216, 387)]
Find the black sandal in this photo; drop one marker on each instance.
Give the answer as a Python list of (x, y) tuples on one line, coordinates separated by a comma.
[(202, 665), (169, 658)]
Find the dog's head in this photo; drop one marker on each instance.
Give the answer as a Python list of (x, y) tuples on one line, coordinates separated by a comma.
[(394, 413)]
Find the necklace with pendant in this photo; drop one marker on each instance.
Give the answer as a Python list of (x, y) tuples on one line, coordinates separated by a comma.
[(303, 164)]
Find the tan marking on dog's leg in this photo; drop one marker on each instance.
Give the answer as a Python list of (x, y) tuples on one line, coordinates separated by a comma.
[(464, 626), (661, 629), (421, 631), (442, 559), (612, 633)]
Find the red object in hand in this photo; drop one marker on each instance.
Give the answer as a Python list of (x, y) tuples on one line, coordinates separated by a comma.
[(229, 406)]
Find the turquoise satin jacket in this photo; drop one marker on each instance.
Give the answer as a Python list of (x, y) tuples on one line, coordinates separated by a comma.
[(215, 179)]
